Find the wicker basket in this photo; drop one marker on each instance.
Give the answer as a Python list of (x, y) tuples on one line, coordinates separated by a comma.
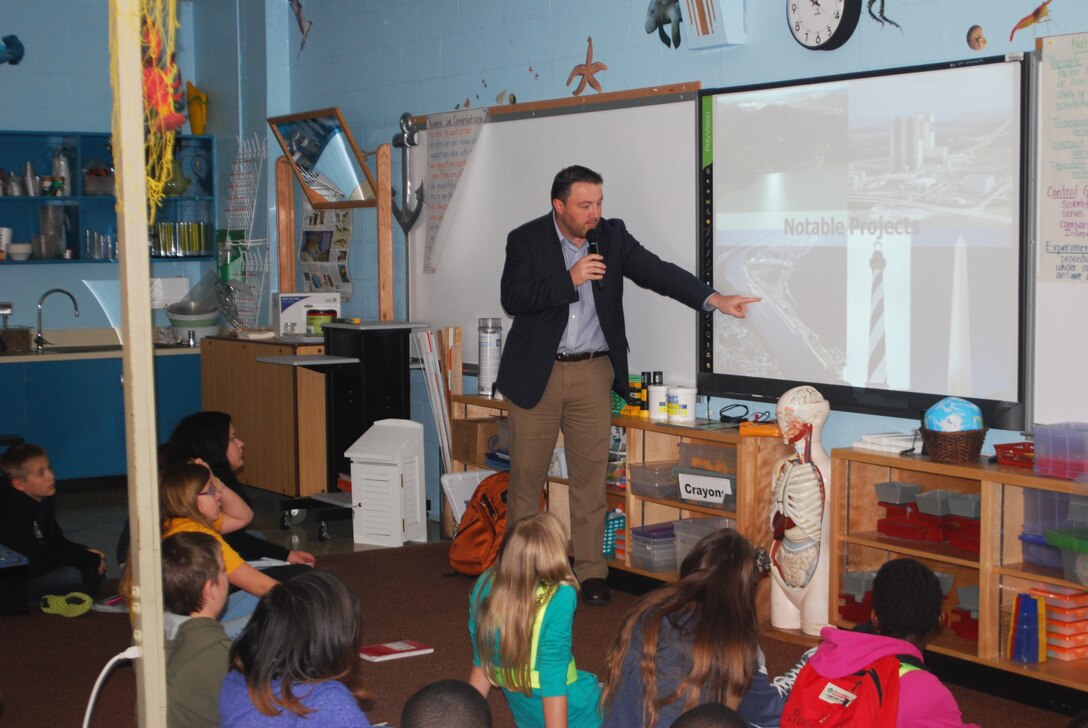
[(953, 447)]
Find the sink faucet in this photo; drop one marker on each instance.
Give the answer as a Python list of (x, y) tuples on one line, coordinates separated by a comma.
[(40, 340)]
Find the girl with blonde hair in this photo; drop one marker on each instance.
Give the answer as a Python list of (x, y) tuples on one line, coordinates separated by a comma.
[(529, 598), (192, 499)]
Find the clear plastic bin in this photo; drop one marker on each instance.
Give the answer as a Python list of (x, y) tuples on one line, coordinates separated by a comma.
[(649, 563), (1074, 546), (653, 480), (708, 457), (1061, 450)]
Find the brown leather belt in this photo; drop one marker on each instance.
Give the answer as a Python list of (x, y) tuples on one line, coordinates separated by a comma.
[(580, 356)]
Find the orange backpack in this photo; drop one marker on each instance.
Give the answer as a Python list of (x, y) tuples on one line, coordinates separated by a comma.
[(479, 535)]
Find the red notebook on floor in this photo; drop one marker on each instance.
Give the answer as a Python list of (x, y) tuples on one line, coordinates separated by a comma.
[(394, 650)]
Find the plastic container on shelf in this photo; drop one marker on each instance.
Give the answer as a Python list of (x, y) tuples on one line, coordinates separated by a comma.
[(1044, 510), (1061, 596), (967, 599), (714, 458), (653, 479), (1016, 454), (1074, 546), (1059, 614), (966, 505), (933, 502), (1067, 654), (857, 583), (946, 580), (896, 492), (1056, 627), (1066, 640), (1061, 450), (690, 531), (653, 548)]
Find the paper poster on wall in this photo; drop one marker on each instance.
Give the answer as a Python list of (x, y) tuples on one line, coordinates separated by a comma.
[(323, 251), (1063, 166), (450, 139)]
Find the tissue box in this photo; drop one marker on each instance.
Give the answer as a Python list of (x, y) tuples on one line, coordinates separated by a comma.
[(291, 308)]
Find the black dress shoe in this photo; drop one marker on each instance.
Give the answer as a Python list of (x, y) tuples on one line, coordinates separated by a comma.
[(596, 592)]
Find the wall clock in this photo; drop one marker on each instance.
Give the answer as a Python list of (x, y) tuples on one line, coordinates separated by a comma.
[(822, 25)]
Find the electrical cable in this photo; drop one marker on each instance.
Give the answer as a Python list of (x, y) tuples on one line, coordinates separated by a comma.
[(130, 654)]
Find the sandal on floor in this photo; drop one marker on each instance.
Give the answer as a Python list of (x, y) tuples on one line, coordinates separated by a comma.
[(74, 604)]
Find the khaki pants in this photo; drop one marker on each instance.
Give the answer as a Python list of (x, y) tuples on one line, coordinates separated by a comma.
[(577, 401)]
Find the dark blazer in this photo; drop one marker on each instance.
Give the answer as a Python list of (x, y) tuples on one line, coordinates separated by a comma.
[(537, 291)]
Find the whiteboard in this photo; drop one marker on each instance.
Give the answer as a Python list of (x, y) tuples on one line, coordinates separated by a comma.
[(646, 155), (1061, 256)]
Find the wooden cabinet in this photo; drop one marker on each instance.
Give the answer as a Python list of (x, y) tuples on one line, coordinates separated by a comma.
[(998, 569), (279, 411), (647, 441)]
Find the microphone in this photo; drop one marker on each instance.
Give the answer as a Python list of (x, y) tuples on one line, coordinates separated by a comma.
[(594, 249)]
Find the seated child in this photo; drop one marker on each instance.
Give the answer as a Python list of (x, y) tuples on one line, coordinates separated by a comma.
[(446, 703), (906, 615), (520, 620), (28, 525), (695, 641), (297, 661), (194, 591)]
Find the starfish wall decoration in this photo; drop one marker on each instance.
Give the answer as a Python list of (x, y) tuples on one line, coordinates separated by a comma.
[(587, 71)]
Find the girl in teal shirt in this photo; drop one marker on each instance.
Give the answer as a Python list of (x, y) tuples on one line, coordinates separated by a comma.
[(529, 598)]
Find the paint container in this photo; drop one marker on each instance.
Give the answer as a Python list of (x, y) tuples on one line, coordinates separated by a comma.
[(659, 402), (681, 404)]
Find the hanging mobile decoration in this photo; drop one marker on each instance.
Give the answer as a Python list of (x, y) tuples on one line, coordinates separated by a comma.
[(162, 82)]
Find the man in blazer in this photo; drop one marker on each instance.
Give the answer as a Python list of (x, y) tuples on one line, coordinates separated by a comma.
[(567, 348)]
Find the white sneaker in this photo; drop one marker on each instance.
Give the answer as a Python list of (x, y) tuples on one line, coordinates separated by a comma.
[(784, 682)]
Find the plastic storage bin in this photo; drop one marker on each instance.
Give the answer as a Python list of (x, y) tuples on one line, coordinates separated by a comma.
[(653, 480), (690, 531), (1044, 511), (967, 505), (933, 502), (708, 457), (1061, 450), (896, 492), (653, 548), (1074, 546)]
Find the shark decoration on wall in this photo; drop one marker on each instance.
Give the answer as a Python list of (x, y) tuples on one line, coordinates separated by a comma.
[(663, 13)]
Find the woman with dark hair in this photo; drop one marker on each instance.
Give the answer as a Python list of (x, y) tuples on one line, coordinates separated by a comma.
[(210, 436), (297, 661), (694, 641)]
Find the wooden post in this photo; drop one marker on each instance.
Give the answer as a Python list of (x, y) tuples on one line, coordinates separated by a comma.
[(285, 224), (137, 367), (385, 232)]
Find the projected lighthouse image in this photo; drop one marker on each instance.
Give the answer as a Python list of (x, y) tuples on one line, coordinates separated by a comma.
[(882, 232)]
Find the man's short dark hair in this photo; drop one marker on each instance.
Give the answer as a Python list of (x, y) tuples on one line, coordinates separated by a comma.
[(567, 176), (710, 715), (189, 561), (446, 703), (907, 599)]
